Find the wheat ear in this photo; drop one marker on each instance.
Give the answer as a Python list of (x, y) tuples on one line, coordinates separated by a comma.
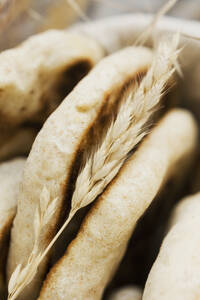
[(123, 134), (22, 276)]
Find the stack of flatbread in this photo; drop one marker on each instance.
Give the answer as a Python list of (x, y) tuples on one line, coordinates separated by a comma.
[(105, 154)]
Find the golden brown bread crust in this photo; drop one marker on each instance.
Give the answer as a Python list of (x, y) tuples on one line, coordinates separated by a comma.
[(54, 151)]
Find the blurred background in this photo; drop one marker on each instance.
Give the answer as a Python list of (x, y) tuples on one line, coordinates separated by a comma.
[(22, 18), (184, 8)]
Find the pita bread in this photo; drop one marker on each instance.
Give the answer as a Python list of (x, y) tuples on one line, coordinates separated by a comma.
[(92, 258), (36, 76), (16, 142), (144, 245), (176, 271), (58, 144), (10, 176), (127, 293)]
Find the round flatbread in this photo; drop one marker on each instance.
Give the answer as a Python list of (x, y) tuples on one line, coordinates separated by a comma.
[(176, 271)]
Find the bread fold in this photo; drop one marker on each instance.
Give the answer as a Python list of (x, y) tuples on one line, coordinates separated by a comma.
[(93, 256), (176, 271), (10, 177), (16, 142), (57, 148)]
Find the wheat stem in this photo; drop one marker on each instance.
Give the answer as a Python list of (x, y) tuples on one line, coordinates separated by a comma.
[(76, 7), (156, 18), (71, 215)]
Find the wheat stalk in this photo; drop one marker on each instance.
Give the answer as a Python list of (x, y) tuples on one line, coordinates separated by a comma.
[(156, 18), (21, 277), (125, 131), (35, 15), (76, 7)]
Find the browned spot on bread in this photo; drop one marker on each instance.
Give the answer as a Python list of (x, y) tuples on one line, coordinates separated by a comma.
[(53, 94), (64, 84)]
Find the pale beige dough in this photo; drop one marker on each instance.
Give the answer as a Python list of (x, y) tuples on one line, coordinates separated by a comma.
[(93, 256), (176, 272), (55, 149)]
